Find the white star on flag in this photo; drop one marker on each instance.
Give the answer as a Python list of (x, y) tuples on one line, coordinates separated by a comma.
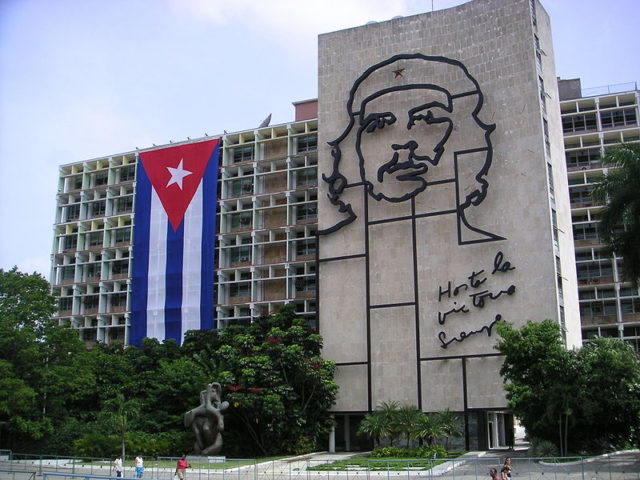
[(178, 174)]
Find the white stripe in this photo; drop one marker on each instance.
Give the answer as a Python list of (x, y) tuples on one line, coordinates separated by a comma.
[(192, 263), (157, 269)]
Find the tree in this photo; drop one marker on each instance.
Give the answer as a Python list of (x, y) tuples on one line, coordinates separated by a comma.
[(428, 427), (620, 219), (278, 386), (577, 399), (119, 415), (25, 308)]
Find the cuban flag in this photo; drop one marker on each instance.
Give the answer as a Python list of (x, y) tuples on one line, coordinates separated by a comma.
[(174, 241)]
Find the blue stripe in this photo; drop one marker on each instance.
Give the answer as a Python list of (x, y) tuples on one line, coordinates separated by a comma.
[(140, 262), (173, 298), (210, 199)]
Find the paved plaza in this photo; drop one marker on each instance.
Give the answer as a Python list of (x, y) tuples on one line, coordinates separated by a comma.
[(471, 466)]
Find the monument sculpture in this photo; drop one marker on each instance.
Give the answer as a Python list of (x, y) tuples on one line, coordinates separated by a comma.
[(207, 421)]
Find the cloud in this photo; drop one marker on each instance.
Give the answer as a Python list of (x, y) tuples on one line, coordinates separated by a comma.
[(293, 24)]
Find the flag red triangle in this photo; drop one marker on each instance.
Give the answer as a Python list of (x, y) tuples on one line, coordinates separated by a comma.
[(175, 174)]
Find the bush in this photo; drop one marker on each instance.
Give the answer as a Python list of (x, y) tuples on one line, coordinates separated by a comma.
[(434, 451), (543, 448)]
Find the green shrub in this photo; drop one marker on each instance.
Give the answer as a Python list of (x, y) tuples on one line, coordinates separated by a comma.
[(434, 451), (544, 448)]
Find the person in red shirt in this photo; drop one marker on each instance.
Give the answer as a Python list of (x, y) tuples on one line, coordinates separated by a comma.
[(181, 468)]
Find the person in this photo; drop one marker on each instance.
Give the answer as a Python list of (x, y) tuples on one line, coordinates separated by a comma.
[(506, 469), (181, 468), (494, 474), (117, 466), (139, 463)]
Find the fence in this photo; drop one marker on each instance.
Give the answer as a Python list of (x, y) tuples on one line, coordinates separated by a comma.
[(623, 466)]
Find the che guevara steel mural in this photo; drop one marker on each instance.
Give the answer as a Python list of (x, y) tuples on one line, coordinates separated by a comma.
[(401, 126)]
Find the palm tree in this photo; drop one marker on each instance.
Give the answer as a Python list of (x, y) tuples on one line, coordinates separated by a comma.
[(451, 425), (118, 414), (407, 420), (389, 410), (620, 219), (429, 428), (376, 425)]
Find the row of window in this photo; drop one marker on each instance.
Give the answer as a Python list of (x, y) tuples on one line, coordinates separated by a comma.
[(97, 179), (246, 153), (613, 118)]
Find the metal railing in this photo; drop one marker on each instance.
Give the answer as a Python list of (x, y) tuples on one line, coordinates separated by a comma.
[(621, 466)]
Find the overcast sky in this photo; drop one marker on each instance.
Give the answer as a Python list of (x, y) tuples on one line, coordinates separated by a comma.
[(81, 79)]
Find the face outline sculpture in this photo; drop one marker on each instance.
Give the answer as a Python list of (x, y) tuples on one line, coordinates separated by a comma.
[(416, 137), (414, 122)]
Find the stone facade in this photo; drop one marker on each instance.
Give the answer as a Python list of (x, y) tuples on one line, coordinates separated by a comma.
[(444, 205)]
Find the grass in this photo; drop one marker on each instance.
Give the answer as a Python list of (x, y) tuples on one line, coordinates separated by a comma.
[(382, 464)]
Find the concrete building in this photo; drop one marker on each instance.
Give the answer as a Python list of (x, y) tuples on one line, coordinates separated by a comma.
[(444, 208), (592, 121), (266, 237), (420, 251)]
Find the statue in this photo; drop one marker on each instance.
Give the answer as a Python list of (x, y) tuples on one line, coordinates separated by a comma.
[(207, 421)]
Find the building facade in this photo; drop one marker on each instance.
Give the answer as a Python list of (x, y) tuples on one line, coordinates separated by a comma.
[(443, 208), (418, 255), (265, 254), (593, 121)]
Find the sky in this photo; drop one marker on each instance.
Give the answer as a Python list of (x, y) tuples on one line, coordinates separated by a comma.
[(81, 79)]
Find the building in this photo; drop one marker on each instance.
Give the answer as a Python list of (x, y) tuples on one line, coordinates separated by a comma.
[(405, 279), (592, 121), (265, 244), (443, 209)]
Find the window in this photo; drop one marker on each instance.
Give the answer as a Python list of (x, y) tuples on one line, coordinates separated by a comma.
[(241, 220), (93, 270), (67, 273), (76, 182), (543, 94), (243, 154), (94, 239), (547, 142), (120, 267), (538, 52), (583, 158), (241, 186), (308, 143), (595, 271), (91, 301), (70, 242), (123, 235), (308, 176), (240, 254), (97, 209), (127, 173), (307, 211), (579, 123), (550, 175), (306, 284), (240, 289), (306, 247), (65, 303), (580, 195), (618, 118), (119, 299), (101, 178), (72, 212), (124, 204)]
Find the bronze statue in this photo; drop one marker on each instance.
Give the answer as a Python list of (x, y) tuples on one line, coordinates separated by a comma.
[(207, 421)]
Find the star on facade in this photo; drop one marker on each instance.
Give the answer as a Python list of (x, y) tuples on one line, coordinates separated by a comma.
[(398, 72), (178, 174)]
